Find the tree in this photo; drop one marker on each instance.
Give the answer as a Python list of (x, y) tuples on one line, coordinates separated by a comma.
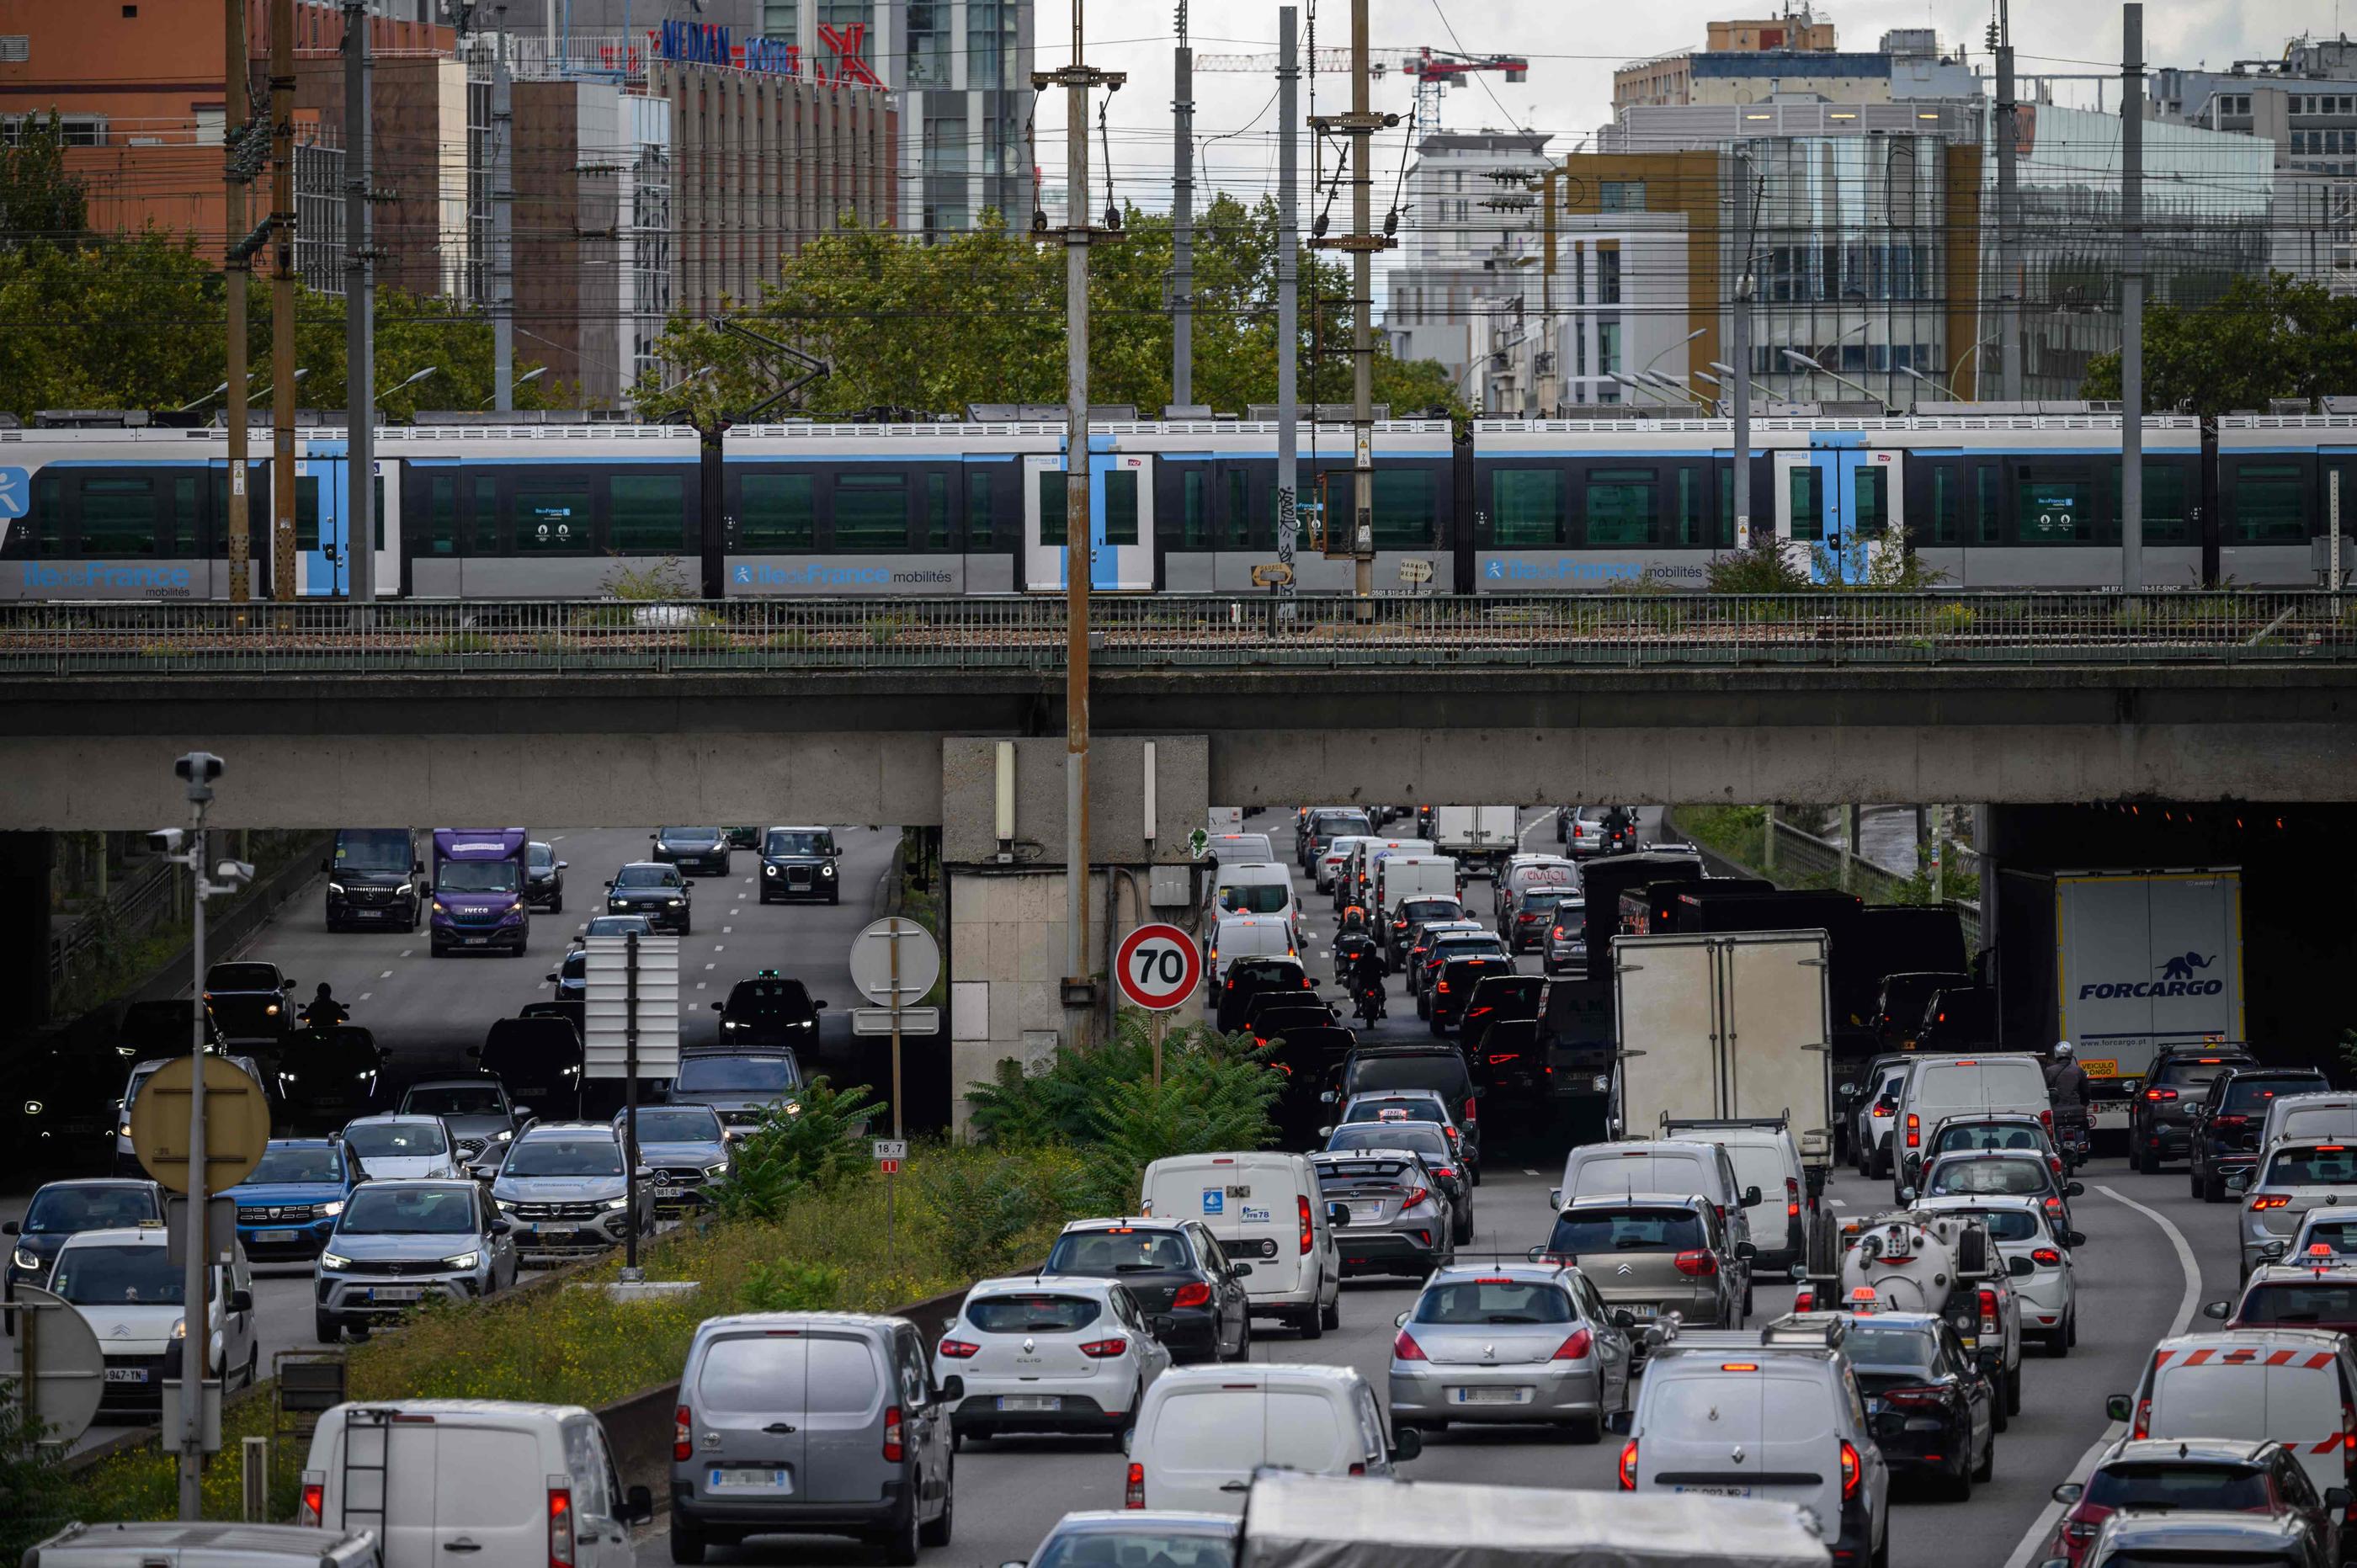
[(39, 202), (2261, 337)]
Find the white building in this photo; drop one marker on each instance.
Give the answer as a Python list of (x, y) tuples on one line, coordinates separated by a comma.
[(1471, 236)]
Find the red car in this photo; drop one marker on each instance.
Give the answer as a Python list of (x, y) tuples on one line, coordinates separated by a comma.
[(2211, 1474)]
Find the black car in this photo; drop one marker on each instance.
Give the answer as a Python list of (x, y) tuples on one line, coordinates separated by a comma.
[(1958, 1019), (1306, 1061), (1410, 914), (63, 1209), (800, 863), (375, 880), (1247, 977), (2161, 1112), (744, 1086), (325, 1078), (537, 1062), (543, 877), (657, 891), (1454, 985), (1175, 1269), (159, 1028), (701, 852), (1899, 1007), (742, 838), (1439, 1067), (248, 999), (769, 1010), (1282, 1005), (2223, 1134), (1495, 998), (571, 977), (1932, 1409), (1511, 1070)]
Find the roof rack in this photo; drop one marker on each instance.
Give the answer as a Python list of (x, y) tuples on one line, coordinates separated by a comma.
[(1793, 1331)]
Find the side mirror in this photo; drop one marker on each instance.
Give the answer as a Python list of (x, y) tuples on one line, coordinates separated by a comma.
[(1844, 1092), (1325, 1131), (2069, 1492), (2238, 1181), (1746, 1252), (1127, 1434), (502, 1227), (1407, 1445), (1338, 1213), (953, 1388), (286, 985), (2075, 1238), (326, 868), (1750, 1197), (563, 863), (1238, 1270), (1555, 1197), (10, 1228), (717, 1007), (687, 884), (2020, 1268), (646, 1173), (2217, 1309), (521, 1113), (475, 1053), (609, 886), (1325, 1097), (637, 1506), (1621, 1423), (2337, 1499), (1623, 1319), (818, 1006), (1906, 1195), (417, 868), (1536, 1254), (2074, 1190), (2116, 1407), (240, 1301), (1400, 1321), (553, 978)]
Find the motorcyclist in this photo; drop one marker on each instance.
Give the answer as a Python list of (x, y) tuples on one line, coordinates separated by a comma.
[(1354, 920), (1619, 827), (325, 1012), (2066, 1081), (1365, 976)]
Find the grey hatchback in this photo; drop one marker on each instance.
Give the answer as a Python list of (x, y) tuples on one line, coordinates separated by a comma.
[(811, 1424)]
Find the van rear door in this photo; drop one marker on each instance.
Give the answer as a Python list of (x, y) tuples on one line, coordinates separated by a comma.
[(843, 1418), (2305, 1409), (1203, 1447), (492, 1493), (384, 1478), (2214, 1392), (749, 1391), (1307, 1428), (1704, 1433)]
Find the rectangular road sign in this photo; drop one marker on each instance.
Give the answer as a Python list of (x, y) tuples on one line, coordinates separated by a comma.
[(878, 1020), (891, 1148), (604, 1049)]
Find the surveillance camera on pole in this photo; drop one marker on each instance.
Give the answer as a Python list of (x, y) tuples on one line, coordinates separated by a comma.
[(167, 840), (197, 770), (233, 872)]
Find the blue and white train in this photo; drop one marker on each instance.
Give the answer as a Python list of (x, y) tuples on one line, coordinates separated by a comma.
[(881, 510)]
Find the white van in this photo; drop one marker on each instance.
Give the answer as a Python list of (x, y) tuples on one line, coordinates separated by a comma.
[(1256, 887), (1229, 848), (2305, 1116), (1266, 1209), (1356, 882), (1246, 936), (2294, 1385), (1940, 1088), (1399, 876), (1661, 1165), (509, 1484), (1201, 1432)]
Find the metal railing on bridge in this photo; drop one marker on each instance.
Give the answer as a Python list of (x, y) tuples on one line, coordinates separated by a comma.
[(1177, 632)]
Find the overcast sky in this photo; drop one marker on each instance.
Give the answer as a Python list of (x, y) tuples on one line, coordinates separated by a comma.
[(1573, 46)]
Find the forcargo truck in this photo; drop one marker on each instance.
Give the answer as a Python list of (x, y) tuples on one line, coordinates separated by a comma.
[(479, 886)]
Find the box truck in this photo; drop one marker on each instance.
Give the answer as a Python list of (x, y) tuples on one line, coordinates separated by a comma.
[(1481, 836)]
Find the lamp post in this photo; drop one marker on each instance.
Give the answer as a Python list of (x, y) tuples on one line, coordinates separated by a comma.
[(1727, 374), (1664, 379), (1808, 364), (530, 376), (404, 386), (1633, 384), (266, 390), (1679, 344)]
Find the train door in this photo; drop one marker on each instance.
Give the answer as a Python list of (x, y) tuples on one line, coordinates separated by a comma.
[(323, 567), (1841, 501), (1120, 522)]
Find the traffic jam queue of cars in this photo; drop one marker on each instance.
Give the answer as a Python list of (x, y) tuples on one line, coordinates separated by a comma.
[(1648, 1317)]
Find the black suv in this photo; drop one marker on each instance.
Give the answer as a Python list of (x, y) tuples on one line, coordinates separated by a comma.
[(800, 863), (1247, 977), (544, 878), (1455, 983), (1898, 1006), (2223, 1134), (248, 998), (2160, 1112), (1175, 1268), (697, 852), (1497, 996), (769, 1010)]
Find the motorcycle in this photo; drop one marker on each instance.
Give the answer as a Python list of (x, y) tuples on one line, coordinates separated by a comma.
[(1367, 1000), (2073, 1135)]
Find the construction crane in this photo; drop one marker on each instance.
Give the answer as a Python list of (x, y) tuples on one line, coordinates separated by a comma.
[(1434, 72)]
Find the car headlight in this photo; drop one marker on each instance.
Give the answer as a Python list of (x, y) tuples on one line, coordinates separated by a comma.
[(336, 887), (24, 1259), (827, 870), (439, 908), (504, 1206), (675, 903), (504, 1135), (463, 1260), (332, 1261), (714, 1172), (270, 1011), (729, 1023), (769, 870), (124, 1131), (329, 1209), (405, 890), (794, 1107), (613, 1203), (180, 1329)]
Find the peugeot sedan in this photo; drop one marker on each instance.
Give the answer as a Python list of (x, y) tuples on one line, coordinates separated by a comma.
[(400, 1242), (658, 892), (1510, 1342)]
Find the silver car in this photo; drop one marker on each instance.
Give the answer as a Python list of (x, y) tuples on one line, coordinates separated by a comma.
[(562, 1187), (686, 1148), (1398, 1220), (1510, 1342), (2292, 1179), (398, 1243)]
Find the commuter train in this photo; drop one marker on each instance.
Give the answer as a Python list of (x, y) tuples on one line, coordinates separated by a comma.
[(1990, 502)]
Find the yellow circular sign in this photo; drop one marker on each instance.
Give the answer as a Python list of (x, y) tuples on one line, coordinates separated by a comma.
[(237, 1123)]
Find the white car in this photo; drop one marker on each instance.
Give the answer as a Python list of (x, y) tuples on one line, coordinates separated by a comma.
[(390, 1147), (127, 1288), (1059, 1353), (2048, 1289)]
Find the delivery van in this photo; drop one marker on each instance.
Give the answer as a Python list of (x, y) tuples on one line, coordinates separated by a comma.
[(1267, 1210)]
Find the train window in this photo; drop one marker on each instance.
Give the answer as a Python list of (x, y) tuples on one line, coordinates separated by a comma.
[(487, 538), (1405, 515), (1194, 507), (1526, 507), (184, 513), (2266, 504), (2053, 504), (1988, 516), (1051, 508), (1693, 515), (306, 512), (871, 511), (1945, 484), (442, 515), (48, 514), (979, 520), (938, 531), (120, 516), (646, 514), (2165, 517), (1805, 487), (774, 511), (1870, 500), (1620, 506), (1235, 525), (552, 517), (1121, 506)]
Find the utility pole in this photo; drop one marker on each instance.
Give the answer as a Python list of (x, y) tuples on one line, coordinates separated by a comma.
[(1739, 348), (360, 314), (2132, 296), (1288, 293), (1182, 216), (237, 267), (1077, 79), (2009, 267), (282, 300), (503, 221)]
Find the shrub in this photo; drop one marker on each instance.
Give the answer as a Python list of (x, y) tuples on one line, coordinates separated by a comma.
[(1072, 1102), (654, 581), (1773, 565), (992, 1211), (813, 1144), (786, 1285)]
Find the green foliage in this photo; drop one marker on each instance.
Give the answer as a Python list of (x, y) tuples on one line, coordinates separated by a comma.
[(997, 1209), (32, 1490), (40, 203), (2261, 338), (657, 580), (1773, 565), (1737, 833), (814, 1144), (786, 1285), (870, 303)]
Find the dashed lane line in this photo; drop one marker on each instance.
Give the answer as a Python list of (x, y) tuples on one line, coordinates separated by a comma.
[(386, 975)]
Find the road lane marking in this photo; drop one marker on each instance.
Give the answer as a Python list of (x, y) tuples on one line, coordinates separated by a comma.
[(192, 1116), (2032, 1544), (727, 929), (718, 947), (386, 975), (699, 984), (363, 996), (1543, 816), (406, 951)]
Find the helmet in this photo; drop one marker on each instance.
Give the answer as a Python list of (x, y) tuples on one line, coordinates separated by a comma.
[(2062, 1050)]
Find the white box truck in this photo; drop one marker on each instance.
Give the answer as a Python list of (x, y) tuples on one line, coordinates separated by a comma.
[(1479, 836), (1724, 1026)]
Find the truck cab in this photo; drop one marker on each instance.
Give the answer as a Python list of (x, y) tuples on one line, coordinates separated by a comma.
[(479, 891)]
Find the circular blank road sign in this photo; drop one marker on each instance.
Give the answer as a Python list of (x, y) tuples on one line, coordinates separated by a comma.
[(1157, 968), (871, 960)]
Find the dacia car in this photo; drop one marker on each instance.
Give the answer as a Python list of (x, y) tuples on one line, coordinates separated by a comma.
[(564, 1189)]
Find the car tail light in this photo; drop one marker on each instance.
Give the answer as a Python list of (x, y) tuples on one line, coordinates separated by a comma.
[(955, 1349), (2046, 1118), (2271, 1200), (2143, 1427), (1805, 1299), (1133, 1496), (893, 1449), (2085, 1523), (1575, 1348), (1406, 1348), (1849, 1467), (1988, 1311), (560, 1522), (315, 1497), (2046, 1257), (2161, 1094), (2229, 1121), (1193, 1294), (2054, 1206), (1444, 988), (1698, 1264), (1308, 1239), (1099, 1349), (1414, 1197), (1792, 1198), (1470, 1114), (1914, 1130), (1556, 934), (682, 1445), (1917, 1396), (1629, 1465), (2347, 1428)]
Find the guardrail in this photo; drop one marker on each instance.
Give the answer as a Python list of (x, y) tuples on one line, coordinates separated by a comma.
[(1165, 632)]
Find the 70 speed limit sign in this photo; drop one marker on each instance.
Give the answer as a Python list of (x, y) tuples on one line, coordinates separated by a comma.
[(1157, 968)]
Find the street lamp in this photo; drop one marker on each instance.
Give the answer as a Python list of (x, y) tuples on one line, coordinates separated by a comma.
[(1664, 379), (266, 390), (1808, 364), (199, 402), (1729, 372), (1679, 344), (530, 376), (1633, 384), (404, 386)]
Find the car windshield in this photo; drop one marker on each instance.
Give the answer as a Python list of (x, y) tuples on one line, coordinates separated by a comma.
[(1143, 1548), (1420, 1137), (374, 849), (1479, 1303), (2303, 1301), (1453, 945), (1445, 1074), (2341, 1235), (456, 1099), (678, 1124), (720, 1075), (699, 836), (1343, 825), (410, 1211), (646, 877), (771, 999), (2324, 1165), (1626, 1230), (539, 854), (396, 1140), (2010, 1224), (476, 876), (1255, 897), (112, 1274), (619, 926), (1264, 972), (797, 840), (1988, 1135), (241, 977), (588, 1154), (320, 1164), (1032, 1313), (1872, 1347), (2016, 1176), (2181, 1484), (576, 965), (61, 1210), (1119, 1250), (1544, 900), (2250, 1094)]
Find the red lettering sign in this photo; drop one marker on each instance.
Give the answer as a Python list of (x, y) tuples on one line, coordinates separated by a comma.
[(849, 65)]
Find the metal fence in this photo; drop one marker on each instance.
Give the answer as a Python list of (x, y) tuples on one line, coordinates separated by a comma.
[(1166, 632)]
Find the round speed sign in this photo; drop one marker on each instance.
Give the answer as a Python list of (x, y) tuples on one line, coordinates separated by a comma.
[(1158, 967)]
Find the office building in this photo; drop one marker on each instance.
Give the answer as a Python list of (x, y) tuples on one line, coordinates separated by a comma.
[(1471, 229), (1669, 78)]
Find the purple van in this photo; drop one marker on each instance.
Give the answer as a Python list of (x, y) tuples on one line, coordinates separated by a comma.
[(479, 891)]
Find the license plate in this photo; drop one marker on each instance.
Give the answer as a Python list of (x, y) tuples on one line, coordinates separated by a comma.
[(397, 1293), (1492, 1396), (745, 1480), (268, 1237), (476, 942), (368, 914), (126, 1374), (1716, 1491), (1364, 1213), (664, 1191), (329, 1101), (1640, 1310), (1030, 1401)]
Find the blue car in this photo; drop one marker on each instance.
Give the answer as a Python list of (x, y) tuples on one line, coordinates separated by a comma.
[(286, 1209)]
